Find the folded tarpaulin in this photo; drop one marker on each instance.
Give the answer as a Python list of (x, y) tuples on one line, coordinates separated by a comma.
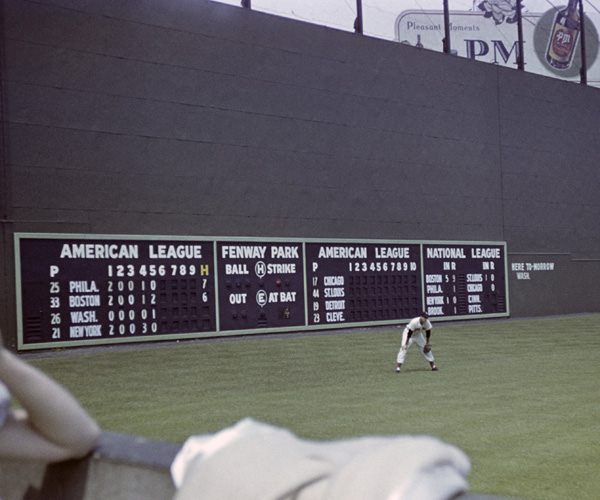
[(256, 461)]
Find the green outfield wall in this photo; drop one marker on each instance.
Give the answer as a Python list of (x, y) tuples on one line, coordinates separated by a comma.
[(198, 119)]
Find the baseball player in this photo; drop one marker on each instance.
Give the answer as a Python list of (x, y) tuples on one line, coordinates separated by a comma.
[(413, 332)]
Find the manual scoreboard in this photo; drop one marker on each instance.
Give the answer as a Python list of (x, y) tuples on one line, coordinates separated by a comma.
[(349, 283), (78, 290), (90, 289), (261, 285), (464, 279)]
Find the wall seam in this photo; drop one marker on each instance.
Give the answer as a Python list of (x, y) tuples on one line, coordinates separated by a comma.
[(500, 155)]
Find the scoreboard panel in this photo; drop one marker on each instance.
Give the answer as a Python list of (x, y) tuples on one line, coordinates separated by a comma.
[(109, 289), (464, 280), (362, 282), (77, 290), (261, 284)]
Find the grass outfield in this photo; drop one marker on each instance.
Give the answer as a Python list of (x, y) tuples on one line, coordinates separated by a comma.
[(520, 397)]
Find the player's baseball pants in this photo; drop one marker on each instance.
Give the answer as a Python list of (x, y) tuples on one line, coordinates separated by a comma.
[(417, 338)]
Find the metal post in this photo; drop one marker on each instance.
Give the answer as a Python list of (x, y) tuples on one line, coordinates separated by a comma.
[(583, 69), (358, 22), (520, 57), (446, 41)]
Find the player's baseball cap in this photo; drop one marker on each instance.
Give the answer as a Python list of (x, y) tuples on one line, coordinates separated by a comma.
[(424, 315)]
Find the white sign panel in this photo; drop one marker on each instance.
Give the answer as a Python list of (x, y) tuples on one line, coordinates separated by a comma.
[(481, 36), (483, 30)]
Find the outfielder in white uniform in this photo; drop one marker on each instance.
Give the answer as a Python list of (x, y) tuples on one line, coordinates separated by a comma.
[(413, 332)]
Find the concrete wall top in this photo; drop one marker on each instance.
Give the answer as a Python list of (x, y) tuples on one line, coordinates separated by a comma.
[(124, 467)]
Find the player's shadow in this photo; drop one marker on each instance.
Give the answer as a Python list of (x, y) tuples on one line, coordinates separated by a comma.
[(407, 371)]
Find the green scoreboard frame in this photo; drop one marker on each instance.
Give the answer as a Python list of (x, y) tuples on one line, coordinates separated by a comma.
[(90, 289)]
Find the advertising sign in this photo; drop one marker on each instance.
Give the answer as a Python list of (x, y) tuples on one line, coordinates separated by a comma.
[(551, 39), (483, 30)]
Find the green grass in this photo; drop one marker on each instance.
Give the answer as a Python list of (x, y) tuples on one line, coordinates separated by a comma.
[(520, 397)]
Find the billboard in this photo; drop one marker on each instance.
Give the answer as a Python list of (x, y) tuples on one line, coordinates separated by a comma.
[(483, 30), (551, 39)]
